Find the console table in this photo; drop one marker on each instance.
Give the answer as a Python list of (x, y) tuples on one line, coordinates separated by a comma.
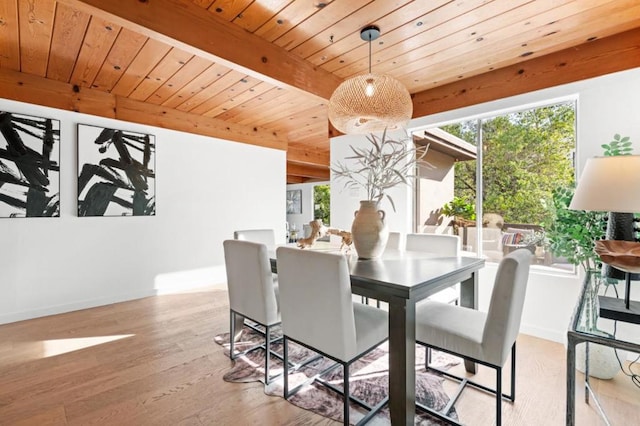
[(578, 333)]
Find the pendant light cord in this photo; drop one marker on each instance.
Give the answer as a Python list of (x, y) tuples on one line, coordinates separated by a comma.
[(369, 53)]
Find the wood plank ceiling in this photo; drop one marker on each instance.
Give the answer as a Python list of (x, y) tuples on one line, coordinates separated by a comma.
[(261, 71)]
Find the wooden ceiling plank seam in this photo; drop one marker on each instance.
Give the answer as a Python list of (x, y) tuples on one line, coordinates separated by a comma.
[(229, 9), (436, 38), (70, 27), (541, 51), (9, 35), (161, 73), (284, 106), (204, 3), (461, 57), (338, 56), (182, 24), (122, 52), (221, 84), (309, 116), (292, 15), (454, 45), (36, 25), (462, 50), (97, 43), (152, 53), (160, 116), (308, 133), (56, 94), (303, 131), (337, 19), (239, 100), (406, 15), (521, 34), (258, 13), (384, 17), (195, 86), (288, 119), (254, 106), (193, 68), (604, 56), (272, 110), (245, 84)]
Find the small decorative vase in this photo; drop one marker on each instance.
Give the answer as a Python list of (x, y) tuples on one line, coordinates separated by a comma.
[(369, 230)]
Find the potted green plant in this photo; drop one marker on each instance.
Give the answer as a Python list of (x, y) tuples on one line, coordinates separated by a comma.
[(462, 212), (573, 234), (383, 164)]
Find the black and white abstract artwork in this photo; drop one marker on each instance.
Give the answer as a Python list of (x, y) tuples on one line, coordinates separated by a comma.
[(116, 172), (29, 166)]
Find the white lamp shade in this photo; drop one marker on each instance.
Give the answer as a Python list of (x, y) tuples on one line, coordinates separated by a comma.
[(609, 184), (370, 103)]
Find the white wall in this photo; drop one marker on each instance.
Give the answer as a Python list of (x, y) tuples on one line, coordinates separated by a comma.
[(606, 105), (205, 189)]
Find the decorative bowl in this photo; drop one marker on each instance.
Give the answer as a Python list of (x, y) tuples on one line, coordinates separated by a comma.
[(624, 255)]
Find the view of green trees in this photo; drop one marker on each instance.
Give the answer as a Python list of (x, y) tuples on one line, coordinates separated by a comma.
[(527, 154), (321, 200)]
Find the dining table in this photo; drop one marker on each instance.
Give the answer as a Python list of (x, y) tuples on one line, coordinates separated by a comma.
[(402, 279)]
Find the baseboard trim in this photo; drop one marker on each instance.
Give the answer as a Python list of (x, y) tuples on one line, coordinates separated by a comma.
[(544, 333), (74, 306), (213, 278)]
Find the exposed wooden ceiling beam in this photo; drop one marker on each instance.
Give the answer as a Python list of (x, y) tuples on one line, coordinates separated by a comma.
[(296, 179), (307, 155), (183, 24), (592, 59), (312, 172), (41, 91)]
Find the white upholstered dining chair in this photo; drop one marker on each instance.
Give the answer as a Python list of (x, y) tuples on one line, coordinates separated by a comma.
[(263, 236), (485, 338), (447, 245), (395, 241), (439, 244), (318, 313), (252, 294)]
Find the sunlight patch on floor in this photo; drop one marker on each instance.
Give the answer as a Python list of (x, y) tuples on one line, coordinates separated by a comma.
[(55, 347)]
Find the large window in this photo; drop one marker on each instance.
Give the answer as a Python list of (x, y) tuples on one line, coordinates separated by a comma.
[(521, 157), (321, 203)]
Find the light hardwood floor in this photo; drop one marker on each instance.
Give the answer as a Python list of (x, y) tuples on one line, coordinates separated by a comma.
[(153, 362)]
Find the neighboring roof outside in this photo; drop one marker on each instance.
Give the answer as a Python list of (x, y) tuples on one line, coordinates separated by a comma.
[(446, 143)]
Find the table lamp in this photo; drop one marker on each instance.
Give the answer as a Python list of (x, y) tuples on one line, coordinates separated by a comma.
[(612, 184)]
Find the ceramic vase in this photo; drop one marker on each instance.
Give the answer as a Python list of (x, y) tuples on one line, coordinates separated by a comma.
[(369, 230)]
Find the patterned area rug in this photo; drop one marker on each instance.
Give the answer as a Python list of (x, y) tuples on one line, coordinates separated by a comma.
[(368, 379)]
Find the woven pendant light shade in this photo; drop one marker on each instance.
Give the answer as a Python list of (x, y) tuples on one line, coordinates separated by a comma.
[(370, 102)]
